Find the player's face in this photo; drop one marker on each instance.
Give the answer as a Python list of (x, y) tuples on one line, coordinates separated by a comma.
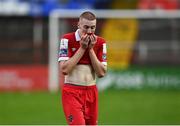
[(87, 26)]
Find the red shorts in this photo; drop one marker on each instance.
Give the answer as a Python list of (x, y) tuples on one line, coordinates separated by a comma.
[(80, 104)]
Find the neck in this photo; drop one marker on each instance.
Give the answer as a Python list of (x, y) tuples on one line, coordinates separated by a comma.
[(80, 34)]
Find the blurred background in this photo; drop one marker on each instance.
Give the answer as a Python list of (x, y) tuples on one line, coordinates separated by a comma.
[(142, 85)]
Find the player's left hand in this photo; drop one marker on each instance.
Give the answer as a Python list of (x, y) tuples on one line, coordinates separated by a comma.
[(92, 41)]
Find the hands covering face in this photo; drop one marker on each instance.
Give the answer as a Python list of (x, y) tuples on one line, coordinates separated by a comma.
[(88, 41)]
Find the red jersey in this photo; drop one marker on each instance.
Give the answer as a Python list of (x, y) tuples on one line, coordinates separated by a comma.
[(70, 44)]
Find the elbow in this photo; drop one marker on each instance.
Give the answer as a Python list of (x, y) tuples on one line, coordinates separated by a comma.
[(100, 75), (63, 68), (65, 72), (102, 72)]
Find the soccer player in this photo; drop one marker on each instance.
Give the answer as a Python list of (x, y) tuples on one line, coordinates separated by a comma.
[(82, 57)]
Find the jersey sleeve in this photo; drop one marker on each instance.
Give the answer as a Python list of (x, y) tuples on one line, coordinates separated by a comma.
[(63, 49), (102, 53)]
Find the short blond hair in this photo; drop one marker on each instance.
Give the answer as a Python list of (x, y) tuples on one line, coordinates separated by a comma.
[(88, 15)]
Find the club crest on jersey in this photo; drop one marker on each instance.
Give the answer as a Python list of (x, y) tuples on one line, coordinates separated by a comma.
[(63, 51)]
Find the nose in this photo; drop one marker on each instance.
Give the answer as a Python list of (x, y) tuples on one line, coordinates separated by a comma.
[(89, 30)]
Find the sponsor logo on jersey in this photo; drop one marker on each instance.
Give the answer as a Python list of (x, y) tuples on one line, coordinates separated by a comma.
[(73, 49)]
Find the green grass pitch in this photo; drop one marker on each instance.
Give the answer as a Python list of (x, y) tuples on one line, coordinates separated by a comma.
[(115, 107)]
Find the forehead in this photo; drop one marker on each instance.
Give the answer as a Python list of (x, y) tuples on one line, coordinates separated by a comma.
[(84, 21)]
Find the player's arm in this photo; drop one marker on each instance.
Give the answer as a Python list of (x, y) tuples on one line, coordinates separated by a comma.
[(68, 65), (98, 66)]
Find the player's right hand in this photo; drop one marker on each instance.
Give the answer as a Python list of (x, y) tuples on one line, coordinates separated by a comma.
[(84, 41)]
